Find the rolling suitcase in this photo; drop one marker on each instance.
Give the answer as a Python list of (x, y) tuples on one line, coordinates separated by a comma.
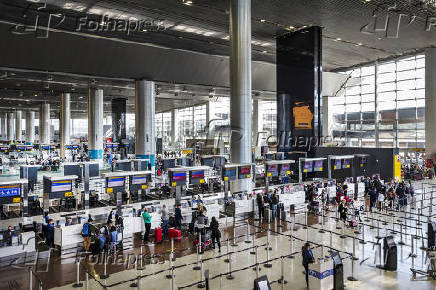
[(158, 235)]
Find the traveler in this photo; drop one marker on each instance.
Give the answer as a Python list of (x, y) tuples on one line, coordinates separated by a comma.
[(69, 222), (307, 259), (50, 233), (165, 220), (260, 206), (113, 239), (178, 217), (216, 234), (342, 209), (274, 203), (86, 234), (147, 222)]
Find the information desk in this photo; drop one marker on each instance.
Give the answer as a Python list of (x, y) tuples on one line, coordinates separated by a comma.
[(321, 275)]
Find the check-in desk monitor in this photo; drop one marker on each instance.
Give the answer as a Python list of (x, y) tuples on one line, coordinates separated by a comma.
[(177, 178), (285, 169), (346, 163), (229, 173), (10, 193), (139, 181), (338, 164), (272, 170), (196, 176), (318, 166), (115, 184), (4, 149), (308, 166), (244, 171)]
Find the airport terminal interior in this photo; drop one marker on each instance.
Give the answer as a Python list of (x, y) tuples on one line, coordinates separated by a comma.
[(230, 144)]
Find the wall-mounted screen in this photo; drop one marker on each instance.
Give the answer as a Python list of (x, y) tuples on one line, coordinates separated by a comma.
[(338, 164), (244, 171), (285, 169), (346, 163), (179, 176), (197, 174), (10, 190), (115, 181), (272, 169), (60, 186), (363, 162), (308, 166), (229, 174), (139, 179), (318, 165)]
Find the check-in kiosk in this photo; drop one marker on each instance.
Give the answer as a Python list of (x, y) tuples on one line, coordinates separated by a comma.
[(13, 198), (139, 185), (238, 203), (307, 166), (177, 179), (58, 192)]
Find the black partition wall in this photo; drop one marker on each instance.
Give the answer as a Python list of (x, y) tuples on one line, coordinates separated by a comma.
[(299, 74), (379, 160)]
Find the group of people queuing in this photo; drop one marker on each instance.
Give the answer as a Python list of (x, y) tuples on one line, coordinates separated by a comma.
[(270, 198)]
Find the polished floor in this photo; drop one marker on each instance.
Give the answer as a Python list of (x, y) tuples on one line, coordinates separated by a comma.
[(62, 271)]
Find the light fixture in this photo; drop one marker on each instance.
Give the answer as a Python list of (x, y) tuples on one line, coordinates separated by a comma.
[(338, 39), (264, 51), (262, 20), (360, 43), (188, 2), (291, 27)]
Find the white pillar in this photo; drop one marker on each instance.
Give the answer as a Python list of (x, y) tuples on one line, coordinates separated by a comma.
[(44, 124), (18, 127), (255, 122), (65, 122), (173, 128), (145, 113), (11, 127), (430, 102), (30, 127), (95, 124), (3, 123)]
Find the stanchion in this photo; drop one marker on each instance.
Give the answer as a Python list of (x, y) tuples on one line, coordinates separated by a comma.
[(419, 214), (77, 284), (267, 264), (86, 280), (247, 236), (142, 258), (197, 266), (378, 237), (372, 221), (256, 267), (343, 236), (234, 237), (105, 274), (200, 283), (401, 243), (291, 255), (331, 239), (30, 278), (363, 235), (352, 277), (252, 252), (321, 231), (170, 270), (268, 238), (393, 226), (412, 251), (282, 280), (379, 253), (354, 250), (226, 260), (172, 278), (136, 283), (305, 220), (230, 276)]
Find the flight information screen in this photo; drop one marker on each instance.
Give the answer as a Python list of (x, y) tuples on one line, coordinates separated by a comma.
[(115, 181), (60, 186)]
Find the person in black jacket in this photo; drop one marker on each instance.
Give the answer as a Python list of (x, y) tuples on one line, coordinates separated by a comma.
[(260, 206), (307, 259), (178, 217), (216, 234)]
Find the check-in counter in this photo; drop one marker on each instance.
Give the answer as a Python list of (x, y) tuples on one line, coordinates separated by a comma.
[(239, 207), (298, 195), (350, 189), (67, 237), (132, 225), (360, 187), (23, 247)]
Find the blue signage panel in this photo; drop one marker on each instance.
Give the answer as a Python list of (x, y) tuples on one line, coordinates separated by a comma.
[(10, 190)]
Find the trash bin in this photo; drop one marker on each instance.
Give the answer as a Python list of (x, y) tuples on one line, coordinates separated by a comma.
[(390, 254)]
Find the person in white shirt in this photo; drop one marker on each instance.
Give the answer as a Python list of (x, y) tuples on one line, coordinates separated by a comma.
[(357, 207), (381, 199)]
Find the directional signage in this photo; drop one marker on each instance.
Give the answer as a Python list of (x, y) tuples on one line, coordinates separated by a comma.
[(10, 190)]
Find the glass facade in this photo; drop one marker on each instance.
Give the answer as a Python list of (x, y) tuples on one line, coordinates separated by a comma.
[(388, 98), (163, 128), (267, 121)]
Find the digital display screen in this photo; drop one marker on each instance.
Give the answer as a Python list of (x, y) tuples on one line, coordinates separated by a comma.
[(272, 168), (45, 147), (53, 147), (363, 161), (75, 146), (318, 165), (284, 168), (179, 176), (4, 148), (337, 164), (229, 172), (197, 174), (207, 162), (10, 190), (245, 170), (308, 166), (139, 179), (60, 186), (115, 182), (346, 163), (108, 145), (115, 146), (20, 147)]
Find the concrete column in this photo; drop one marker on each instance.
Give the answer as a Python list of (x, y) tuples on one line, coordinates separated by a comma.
[(145, 114), (430, 102), (3, 126), (241, 121), (95, 124), (255, 122), (18, 127), (65, 131), (11, 127), (240, 81), (44, 124), (173, 128), (30, 127)]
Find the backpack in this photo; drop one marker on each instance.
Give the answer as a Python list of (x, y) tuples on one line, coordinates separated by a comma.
[(85, 230)]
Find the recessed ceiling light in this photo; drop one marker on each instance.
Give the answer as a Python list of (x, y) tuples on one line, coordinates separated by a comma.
[(360, 43), (338, 39), (36, 95), (291, 27), (262, 20), (264, 51), (12, 74), (188, 2)]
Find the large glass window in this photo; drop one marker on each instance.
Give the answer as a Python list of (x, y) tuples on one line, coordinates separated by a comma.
[(399, 103)]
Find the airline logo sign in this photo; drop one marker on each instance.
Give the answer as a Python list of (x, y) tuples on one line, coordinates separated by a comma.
[(10, 190)]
